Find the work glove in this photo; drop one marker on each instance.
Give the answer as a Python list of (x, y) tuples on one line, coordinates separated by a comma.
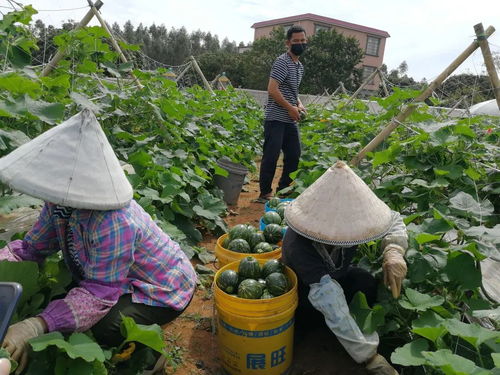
[(378, 365), (394, 267), (16, 339)]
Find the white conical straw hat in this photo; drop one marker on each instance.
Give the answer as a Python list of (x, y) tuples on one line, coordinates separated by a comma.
[(339, 209), (71, 164)]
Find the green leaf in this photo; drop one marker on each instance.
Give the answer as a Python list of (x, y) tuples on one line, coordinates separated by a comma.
[(24, 273), (429, 325), (149, 335), (221, 171), (453, 364), (411, 353), (496, 359), (416, 301), (461, 268), (18, 85), (9, 203), (465, 202), (472, 333), (422, 238), (78, 345), (50, 113), (368, 319), (472, 173)]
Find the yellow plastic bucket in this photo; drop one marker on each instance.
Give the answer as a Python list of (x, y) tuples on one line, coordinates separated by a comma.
[(225, 256), (255, 336)]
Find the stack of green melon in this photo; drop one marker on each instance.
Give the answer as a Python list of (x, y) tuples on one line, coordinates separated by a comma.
[(276, 215), (244, 238), (253, 281)]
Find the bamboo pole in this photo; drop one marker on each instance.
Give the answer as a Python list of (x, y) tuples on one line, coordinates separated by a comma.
[(368, 79), (488, 60), (382, 79), (181, 74), (198, 70), (424, 95), (342, 87), (60, 52), (455, 106), (114, 43)]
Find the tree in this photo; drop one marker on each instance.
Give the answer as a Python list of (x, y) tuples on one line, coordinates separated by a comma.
[(331, 58)]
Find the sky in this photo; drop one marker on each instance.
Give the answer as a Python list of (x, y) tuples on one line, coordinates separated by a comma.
[(427, 34)]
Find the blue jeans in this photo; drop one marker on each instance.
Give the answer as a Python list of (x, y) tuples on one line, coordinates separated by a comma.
[(279, 136)]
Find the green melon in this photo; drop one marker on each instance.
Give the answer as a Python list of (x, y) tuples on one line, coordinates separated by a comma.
[(228, 281), (271, 217), (273, 233), (262, 247), (249, 268), (266, 294), (239, 245), (225, 243), (255, 238), (273, 202), (281, 211), (277, 284), (272, 266), (262, 282), (243, 231), (250, 289)]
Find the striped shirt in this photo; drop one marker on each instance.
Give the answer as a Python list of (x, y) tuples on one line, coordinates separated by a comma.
[(288, 74), (119, 251)]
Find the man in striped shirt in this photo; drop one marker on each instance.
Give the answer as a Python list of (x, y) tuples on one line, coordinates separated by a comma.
[(283, 111)]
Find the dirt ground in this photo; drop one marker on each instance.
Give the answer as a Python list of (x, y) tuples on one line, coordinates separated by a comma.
[(316, 352)]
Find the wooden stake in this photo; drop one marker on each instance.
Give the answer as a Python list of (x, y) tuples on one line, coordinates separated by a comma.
[(368, 79), (342, 87), (382, 79), (113, 41), (60, 52), (424, 95), (181, 74), (198, 70), (488, 60)]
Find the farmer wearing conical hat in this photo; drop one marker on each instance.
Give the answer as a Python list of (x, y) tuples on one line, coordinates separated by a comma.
[(326, 223), (120, 260)]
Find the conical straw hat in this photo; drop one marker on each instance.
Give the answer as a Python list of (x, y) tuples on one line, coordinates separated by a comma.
[(71, 164), (339, 209)]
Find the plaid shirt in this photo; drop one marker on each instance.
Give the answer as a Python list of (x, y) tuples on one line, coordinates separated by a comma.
[(118, 251)]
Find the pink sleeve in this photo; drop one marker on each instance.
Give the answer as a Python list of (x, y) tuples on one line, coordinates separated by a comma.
[(9, 252), (82, 307)]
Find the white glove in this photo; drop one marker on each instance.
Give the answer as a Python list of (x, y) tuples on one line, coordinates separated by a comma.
[(16, 339), (394, 267)]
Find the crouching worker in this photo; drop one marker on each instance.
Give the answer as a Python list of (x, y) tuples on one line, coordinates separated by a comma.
[(120, 260), (326, 223)]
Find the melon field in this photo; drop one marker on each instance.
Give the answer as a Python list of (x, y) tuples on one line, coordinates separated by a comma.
[(442, 174)]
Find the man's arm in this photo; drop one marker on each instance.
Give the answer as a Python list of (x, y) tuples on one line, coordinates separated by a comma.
[(275, 93)]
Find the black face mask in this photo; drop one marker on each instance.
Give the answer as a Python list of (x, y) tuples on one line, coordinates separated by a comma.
[(298, 48)]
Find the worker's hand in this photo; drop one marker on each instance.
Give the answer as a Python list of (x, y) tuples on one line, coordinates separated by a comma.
[(394, 267), (294, 113), (16, 339), (4, 366), (302, 108)]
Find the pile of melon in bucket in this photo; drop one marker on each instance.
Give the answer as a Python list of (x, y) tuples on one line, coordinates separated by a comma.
[(253, 281), (244, 238)]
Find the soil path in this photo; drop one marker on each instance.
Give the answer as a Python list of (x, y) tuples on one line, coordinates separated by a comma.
[(316, 352)]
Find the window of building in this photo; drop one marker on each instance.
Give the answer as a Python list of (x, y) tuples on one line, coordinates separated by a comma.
[(320, 28), (372, 45), (367, 70)]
